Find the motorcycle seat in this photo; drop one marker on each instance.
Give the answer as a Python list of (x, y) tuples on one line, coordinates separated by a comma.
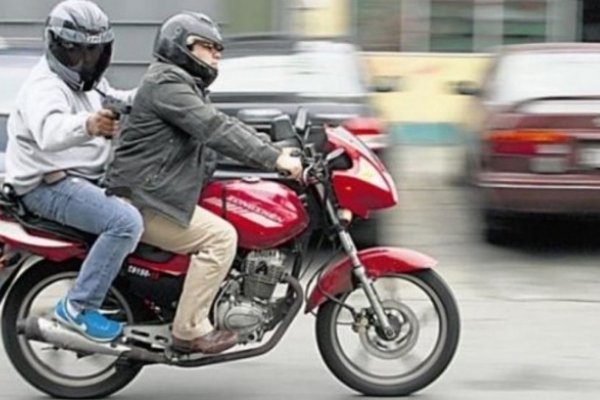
[(11, 206), (143, 250)]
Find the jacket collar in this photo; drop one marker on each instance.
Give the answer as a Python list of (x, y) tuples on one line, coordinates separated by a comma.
[(201, 85)]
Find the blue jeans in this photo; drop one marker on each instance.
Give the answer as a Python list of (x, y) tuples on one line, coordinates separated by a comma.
[(79, 203)]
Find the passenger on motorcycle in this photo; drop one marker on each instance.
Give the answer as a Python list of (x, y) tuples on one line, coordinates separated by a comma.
[(167, 153), (58, 148)]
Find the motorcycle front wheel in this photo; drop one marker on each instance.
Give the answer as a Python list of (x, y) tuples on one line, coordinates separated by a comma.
[(56, 372), (424, 314)]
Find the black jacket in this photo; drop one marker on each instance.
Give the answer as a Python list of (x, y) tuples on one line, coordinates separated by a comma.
[(166, 151)]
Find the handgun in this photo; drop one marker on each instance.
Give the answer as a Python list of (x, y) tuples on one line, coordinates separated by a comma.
[(118, 107)]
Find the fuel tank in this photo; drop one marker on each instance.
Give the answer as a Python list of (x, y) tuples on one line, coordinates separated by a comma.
[(265, 213)]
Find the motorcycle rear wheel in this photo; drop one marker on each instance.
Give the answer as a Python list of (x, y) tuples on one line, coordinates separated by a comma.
[(359, 355), (62, 373)]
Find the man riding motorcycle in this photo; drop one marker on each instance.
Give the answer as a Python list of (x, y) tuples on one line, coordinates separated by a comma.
[(167, 153), (58, 150)]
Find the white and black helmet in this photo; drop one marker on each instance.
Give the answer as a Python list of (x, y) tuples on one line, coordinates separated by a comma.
[(79, 41), (175, 37)]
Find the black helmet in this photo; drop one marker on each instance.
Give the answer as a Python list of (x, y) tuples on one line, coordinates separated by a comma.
[(175, 38), (79, 43)]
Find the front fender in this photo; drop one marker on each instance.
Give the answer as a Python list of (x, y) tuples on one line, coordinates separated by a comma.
[(378, 261)]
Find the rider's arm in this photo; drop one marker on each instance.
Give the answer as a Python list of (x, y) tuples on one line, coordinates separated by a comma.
[(123, 95), (50, 119), (178, 103), (261, 135)]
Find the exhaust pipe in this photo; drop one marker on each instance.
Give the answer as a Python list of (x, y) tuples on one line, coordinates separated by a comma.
[(50, 331)]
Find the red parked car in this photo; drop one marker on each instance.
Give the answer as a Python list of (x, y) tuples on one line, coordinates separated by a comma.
[(536, 148)]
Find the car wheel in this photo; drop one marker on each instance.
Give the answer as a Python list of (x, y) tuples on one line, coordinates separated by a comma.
[(496, 230)]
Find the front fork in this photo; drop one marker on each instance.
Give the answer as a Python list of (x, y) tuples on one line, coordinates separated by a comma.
[(358, 269)]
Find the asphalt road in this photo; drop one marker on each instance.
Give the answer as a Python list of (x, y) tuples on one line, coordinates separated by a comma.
[(530, 326)]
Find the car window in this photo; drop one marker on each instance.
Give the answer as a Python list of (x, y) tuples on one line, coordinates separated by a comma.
[(526, 76), (306, 73)]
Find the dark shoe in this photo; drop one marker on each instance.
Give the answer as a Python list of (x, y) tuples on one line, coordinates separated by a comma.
[(213, 342)]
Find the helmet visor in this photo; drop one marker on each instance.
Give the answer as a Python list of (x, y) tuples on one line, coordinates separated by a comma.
[(88, 61), (84, 59)]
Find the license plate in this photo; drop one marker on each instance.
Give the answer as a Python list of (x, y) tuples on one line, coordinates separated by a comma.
[(590, 157)]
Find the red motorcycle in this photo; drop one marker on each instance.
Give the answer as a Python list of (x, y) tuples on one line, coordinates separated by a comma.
[(386, 323)]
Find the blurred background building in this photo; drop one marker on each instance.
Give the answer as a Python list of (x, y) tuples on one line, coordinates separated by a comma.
[(424, 44)]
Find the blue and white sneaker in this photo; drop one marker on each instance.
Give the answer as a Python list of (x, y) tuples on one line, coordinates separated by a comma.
[(90, 324)]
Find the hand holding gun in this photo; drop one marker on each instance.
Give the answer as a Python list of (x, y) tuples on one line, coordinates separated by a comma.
[(116, 106), (105, 122)]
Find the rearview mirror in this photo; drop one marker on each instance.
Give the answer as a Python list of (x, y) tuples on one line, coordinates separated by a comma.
[(301, 122)]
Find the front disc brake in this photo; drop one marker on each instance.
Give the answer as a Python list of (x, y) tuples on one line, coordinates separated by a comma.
[(404, 321)]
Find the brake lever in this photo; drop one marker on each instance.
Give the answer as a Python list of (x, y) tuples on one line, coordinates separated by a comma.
[(308, 165)]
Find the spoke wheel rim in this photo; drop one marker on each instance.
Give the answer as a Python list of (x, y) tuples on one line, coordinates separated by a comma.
[(360, 368), (65, 367)]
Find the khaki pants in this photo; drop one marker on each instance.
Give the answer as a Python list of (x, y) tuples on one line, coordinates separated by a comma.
[(212, 243)]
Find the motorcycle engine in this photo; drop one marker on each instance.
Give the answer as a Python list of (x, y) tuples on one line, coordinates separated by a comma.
[(243, 305)]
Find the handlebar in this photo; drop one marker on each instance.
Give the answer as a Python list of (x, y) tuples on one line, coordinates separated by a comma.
[(313, 165)]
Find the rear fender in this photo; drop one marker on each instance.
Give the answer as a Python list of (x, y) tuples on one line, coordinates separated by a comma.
[(20, 250), (378, 261), (12, 262), (13, 234)]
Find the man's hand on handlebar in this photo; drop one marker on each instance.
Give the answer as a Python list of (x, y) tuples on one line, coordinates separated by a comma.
[(289, 162)]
